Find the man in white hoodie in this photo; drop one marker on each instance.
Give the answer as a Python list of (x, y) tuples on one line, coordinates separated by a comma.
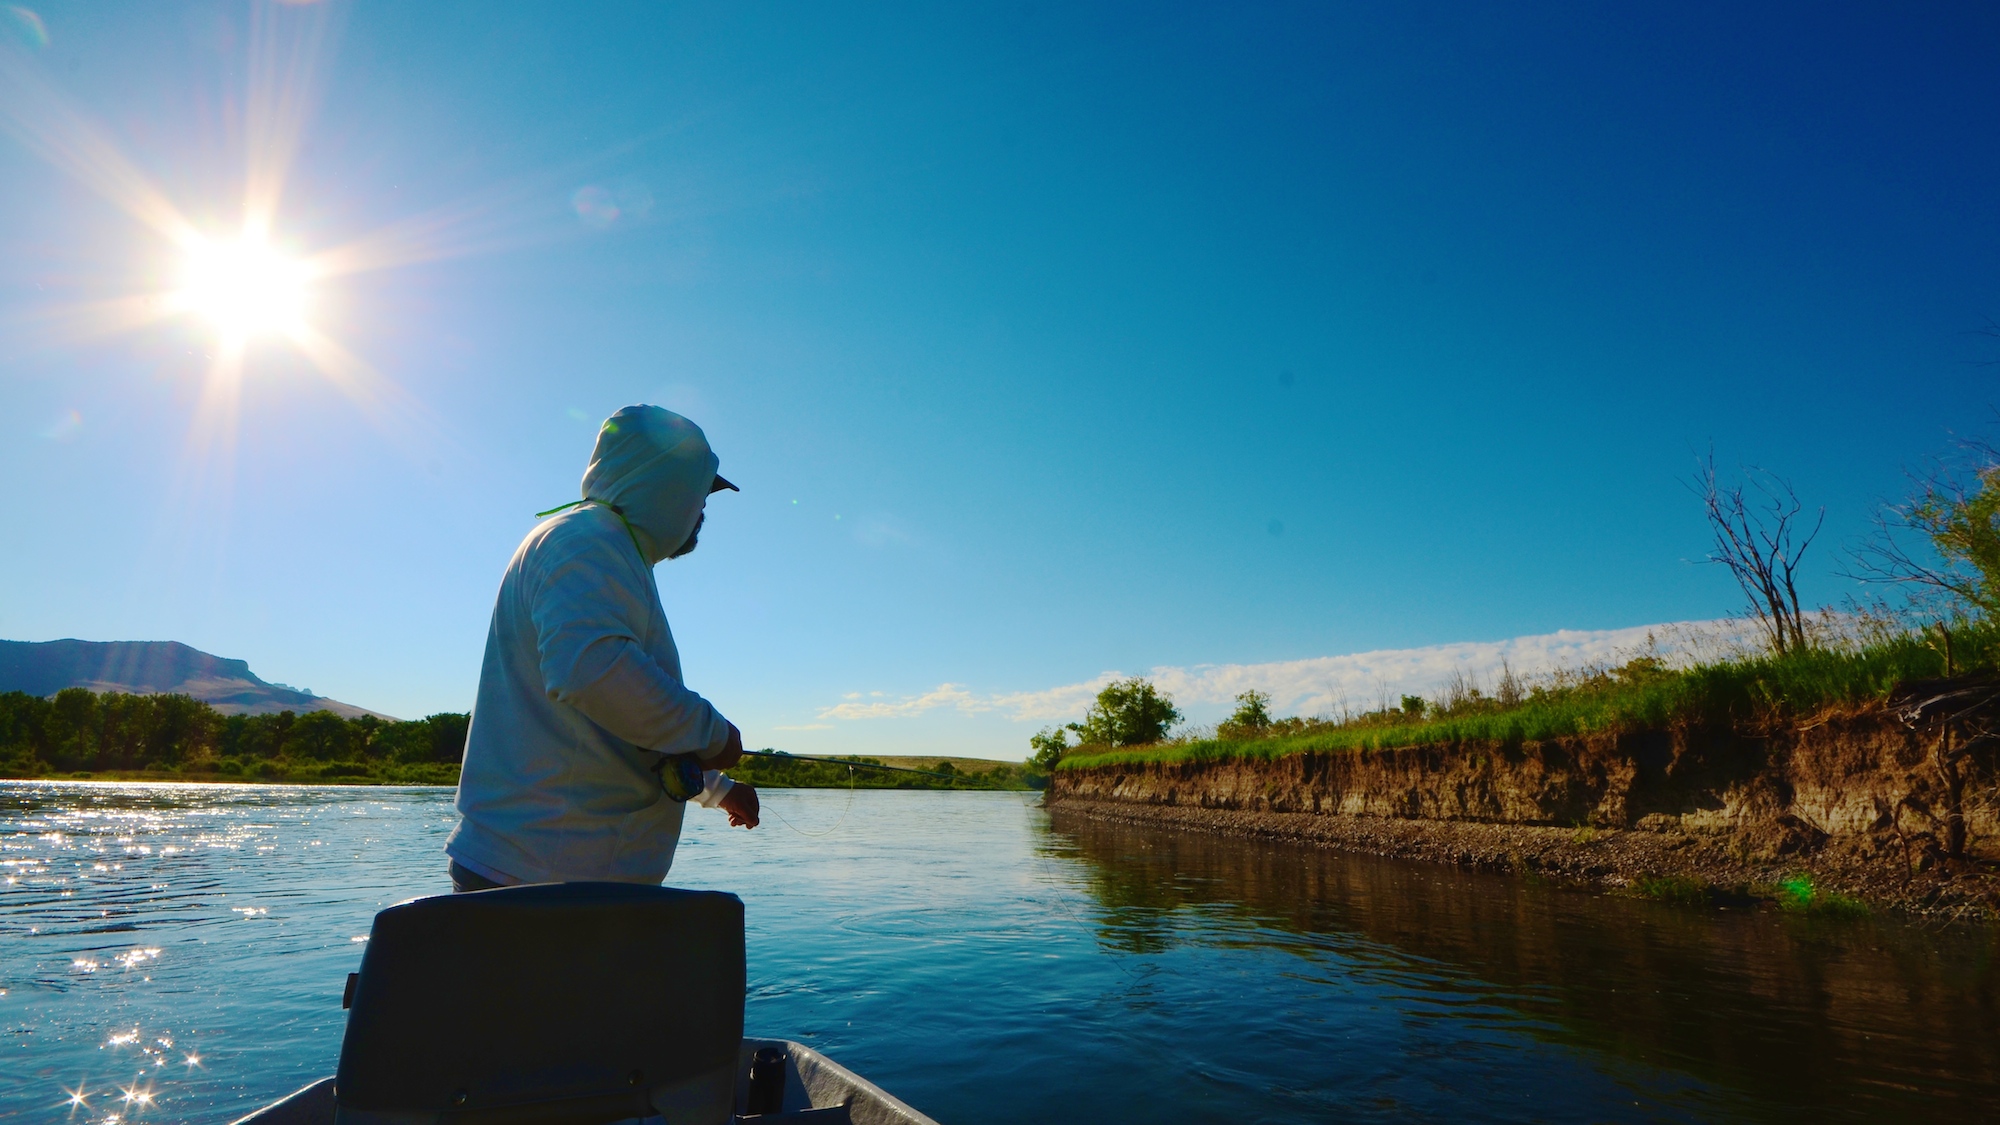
[(585, 745)]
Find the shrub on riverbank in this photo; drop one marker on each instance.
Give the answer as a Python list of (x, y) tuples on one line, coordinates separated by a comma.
[(1642, 694)]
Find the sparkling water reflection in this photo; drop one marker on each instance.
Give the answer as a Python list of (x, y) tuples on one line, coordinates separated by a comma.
[(176, 953)]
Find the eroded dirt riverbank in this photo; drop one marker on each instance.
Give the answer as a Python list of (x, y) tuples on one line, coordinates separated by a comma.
[(1612, 859), (1852, 807)]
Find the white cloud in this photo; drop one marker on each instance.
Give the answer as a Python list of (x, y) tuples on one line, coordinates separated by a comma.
[(943, 695), (1069, 701), (1329, 684), (1366, 680)]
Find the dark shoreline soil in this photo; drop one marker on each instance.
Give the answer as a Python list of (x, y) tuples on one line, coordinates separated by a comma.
[(1678, 865)]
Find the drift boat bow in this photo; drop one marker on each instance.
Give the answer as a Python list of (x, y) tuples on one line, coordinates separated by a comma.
[(568, 1004)]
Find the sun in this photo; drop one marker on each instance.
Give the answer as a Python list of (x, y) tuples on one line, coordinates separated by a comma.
[(260, 297), (244, 286)]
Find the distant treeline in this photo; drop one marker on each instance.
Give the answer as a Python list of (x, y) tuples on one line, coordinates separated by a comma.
[(798, 773), (78, 731)]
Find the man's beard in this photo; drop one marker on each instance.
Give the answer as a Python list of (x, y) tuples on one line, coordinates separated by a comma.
[(693, 536)]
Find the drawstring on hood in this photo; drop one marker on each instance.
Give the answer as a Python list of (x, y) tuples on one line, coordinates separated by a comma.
[(615, 510), (653, 469)]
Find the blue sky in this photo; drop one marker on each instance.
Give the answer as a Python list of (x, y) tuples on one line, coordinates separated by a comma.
[(1044, 340)]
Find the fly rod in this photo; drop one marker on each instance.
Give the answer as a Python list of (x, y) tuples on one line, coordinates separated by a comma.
[(775, 754)]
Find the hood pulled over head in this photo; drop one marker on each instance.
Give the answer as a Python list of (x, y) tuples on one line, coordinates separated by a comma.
[(656, 468)]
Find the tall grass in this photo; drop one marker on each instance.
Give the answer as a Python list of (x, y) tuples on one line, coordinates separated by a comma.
[(1744, 690)]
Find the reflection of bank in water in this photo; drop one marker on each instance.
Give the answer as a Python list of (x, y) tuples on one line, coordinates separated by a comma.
[(1864, 1020)]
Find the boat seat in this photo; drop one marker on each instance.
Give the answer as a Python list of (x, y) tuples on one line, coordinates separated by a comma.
[(548, 1004)]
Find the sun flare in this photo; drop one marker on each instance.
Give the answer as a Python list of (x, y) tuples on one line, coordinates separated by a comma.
[(244, 286), (266, 303)]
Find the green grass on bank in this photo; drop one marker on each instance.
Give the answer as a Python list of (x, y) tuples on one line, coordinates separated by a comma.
[(1749, 693)]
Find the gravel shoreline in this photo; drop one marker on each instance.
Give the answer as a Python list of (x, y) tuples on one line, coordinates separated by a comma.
[(1678, 865)]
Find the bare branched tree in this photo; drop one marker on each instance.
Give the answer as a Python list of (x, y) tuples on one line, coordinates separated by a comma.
[(1754, 527)]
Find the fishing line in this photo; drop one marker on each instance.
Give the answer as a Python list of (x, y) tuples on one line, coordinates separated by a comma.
[(780, 755), (836, 824)]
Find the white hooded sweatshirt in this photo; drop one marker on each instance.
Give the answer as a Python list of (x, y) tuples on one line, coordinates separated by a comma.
[(581, 688)]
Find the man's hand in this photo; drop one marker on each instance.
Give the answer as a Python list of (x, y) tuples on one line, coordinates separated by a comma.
[(741, 805), (732, 752)]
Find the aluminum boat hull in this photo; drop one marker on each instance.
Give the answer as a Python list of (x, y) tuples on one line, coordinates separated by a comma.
[(817, 1089)]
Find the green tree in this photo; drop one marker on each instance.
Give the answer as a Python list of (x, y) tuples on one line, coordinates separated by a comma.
[(24, 740), (447, 735), (362, 731), (273, 734), (235, 739), (180, 730), (1127, 713), (435, 738), (321, 736), (1049, 745), (1955, 513), (73, 729), (1251, 719), (122, 726)]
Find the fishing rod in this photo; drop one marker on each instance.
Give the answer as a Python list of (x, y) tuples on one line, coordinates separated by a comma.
[(851, 765)]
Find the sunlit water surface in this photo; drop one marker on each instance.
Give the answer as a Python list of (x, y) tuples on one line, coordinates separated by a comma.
[(177, 953)]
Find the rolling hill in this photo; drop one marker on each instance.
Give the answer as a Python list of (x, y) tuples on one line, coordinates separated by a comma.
[(154, 667)]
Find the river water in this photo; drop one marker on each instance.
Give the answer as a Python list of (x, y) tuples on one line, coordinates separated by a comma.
[(177, 953)]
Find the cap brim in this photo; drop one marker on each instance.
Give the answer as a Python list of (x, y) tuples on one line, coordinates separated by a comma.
[(721, 484)]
